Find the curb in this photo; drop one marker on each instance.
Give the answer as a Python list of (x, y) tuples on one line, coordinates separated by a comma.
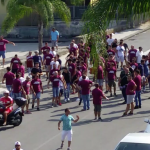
[(132, 35)]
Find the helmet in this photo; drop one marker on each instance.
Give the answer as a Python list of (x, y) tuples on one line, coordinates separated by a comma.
[(6, 92)]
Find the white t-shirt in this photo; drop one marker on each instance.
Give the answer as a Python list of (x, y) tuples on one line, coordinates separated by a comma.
[(139, 56), (80, 79), (56, 64), (120, 50), (74, 45), (110, 41), (53, 53)]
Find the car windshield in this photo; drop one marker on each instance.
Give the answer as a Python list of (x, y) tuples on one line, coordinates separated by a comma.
[(133, 146)]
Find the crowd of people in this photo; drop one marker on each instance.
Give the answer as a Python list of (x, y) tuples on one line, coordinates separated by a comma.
[(73, 77)]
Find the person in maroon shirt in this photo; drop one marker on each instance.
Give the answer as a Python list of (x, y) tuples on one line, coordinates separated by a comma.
[(15, 64), (29, 63), (52, 72), (26, 85), (85, 86), (110, 51), (82, 67), (44, 49), (73, 49), (138, 82), (132, 53), (9, 77), (97, 101), (17, 87), (111, 61), (21, 69), (111, 74), (37, 89), (134, 65), (55, 83), (47, 60), (3, 43), (130, 91), (100, 77)]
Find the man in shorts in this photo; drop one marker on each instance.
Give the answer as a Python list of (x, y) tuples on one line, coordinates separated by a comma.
[(97, 94), (111, 73), (47, 60), (67, 129), (54, 37), (3, 43), (7, 101), (26, 86), (131, 88), (36, 87)]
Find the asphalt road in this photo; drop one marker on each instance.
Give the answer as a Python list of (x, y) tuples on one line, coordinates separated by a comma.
[(38, 130)]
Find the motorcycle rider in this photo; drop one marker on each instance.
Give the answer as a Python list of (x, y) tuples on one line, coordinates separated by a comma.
[(7, 101), (17, 146)]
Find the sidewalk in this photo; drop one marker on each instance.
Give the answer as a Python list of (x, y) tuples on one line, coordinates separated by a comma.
[(126, 34)]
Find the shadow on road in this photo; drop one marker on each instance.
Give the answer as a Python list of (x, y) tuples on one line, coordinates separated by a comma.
[(5, 128), (114, 112)]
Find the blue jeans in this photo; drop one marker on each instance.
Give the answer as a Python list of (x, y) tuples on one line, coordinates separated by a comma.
[(86, 101), (67, 91), (56, 91), (15, 95), (9, 88), (138, 97)]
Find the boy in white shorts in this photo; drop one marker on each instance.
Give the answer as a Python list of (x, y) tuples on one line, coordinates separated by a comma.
[(67, 129)]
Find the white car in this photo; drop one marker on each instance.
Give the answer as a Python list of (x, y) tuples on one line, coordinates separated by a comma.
[(136, 141)]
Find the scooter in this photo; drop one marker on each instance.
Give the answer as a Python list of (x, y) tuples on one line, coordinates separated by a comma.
[(147, 130), (15, 117)]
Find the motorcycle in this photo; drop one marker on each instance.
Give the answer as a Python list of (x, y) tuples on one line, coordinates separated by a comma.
[(15, 117), (147, 130)]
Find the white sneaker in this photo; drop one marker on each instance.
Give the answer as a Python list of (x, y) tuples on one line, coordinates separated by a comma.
[(65, 100), (77, 99), (68, 99)]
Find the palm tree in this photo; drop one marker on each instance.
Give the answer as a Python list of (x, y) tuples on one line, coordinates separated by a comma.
[(18, 9)]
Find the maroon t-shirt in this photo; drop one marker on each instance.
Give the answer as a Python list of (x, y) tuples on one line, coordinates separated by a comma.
[(29, 61), (22, 70), (97, 96), (26, 86), (45, 48), (132, 53), (48, 58), (74, 50), (15, 63), (82, 69), (3, 43), (36, 83), (55, 81), (53, 70), (134, 66), (85, 86), (111, 73), (100, 73), (71, 68), (85, 57), (110, 52), (130, 87), (9, 76), (16, 86), (111, 62), (138, 81)]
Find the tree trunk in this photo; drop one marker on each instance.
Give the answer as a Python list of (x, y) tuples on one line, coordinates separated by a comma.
[(40, 33), (131, 17)]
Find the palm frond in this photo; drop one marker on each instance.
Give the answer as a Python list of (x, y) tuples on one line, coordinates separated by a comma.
[(76, 2), (61, 9)]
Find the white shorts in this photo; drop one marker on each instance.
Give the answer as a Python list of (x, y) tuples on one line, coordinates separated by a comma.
[(130, 99), (143, 79), (68, 134), (47, 68), (120, 59)]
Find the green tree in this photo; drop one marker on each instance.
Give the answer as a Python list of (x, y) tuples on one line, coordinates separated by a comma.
[(100, 14), (45, 9)]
